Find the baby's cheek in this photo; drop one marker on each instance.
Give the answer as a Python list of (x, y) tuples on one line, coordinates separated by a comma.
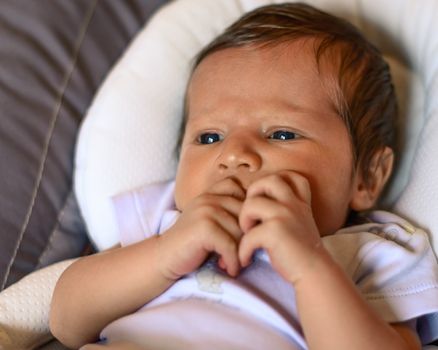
[(185, 192), (180, 196)]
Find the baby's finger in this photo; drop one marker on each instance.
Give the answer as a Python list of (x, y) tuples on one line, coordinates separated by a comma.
[(221, 263), (299, 184), (284, 186), (249, 244), (228, 187), (228, 203), (272, 186), (227, 249), (259, 209), (229, 223)]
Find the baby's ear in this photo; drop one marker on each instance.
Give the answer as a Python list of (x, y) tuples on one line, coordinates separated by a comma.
[(366, 192)]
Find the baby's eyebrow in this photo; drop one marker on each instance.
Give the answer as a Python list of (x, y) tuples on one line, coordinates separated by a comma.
[(274, 110), (202, 121)]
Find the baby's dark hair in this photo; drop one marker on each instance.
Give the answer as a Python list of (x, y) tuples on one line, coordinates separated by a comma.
[(364, 94)]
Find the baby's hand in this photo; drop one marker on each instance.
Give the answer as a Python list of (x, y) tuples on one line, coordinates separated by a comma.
[(208, 224), (277, 216)]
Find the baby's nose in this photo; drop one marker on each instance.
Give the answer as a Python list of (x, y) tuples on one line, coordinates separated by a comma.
[(239, 154)]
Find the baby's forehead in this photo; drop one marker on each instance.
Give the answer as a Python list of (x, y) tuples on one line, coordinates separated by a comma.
[(263, 68), (323, 62), (273, 50)]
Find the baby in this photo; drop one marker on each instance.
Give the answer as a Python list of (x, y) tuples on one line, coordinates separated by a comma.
[(289, 134)]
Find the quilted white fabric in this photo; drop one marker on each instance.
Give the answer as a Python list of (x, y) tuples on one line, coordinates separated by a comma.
[(130, 132), (24, 309)]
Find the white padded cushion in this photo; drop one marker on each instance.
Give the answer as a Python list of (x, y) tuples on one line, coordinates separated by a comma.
[(130, 132), (25, 306)]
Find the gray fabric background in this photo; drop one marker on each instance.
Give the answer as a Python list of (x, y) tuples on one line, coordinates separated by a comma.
[(53, 56)]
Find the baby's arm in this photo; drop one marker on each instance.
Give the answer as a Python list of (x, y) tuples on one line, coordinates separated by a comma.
[(100, 288), (335, 316), (277, 216)]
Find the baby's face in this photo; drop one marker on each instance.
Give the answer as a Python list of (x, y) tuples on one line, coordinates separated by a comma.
[(254, 112)]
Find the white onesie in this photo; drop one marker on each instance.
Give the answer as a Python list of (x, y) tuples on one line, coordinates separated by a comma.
[(390, 261)]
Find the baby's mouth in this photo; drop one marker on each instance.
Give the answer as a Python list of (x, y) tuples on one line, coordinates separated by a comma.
[(243, 183), (245, 180), (238, 181)]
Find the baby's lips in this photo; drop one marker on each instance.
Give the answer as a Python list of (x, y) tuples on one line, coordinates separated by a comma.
[(245, 180)]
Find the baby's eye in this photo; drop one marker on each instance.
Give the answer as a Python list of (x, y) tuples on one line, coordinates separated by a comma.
[(283, 135), (209, 138)]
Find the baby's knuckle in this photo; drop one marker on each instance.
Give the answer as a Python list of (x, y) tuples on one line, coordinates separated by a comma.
[(277, 225), (202, 200), (230, 245), (206, 227), (206, 211), (284, 213), (273, 178)]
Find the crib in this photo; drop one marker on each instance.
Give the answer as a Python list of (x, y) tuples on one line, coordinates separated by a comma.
[(118, 147)]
